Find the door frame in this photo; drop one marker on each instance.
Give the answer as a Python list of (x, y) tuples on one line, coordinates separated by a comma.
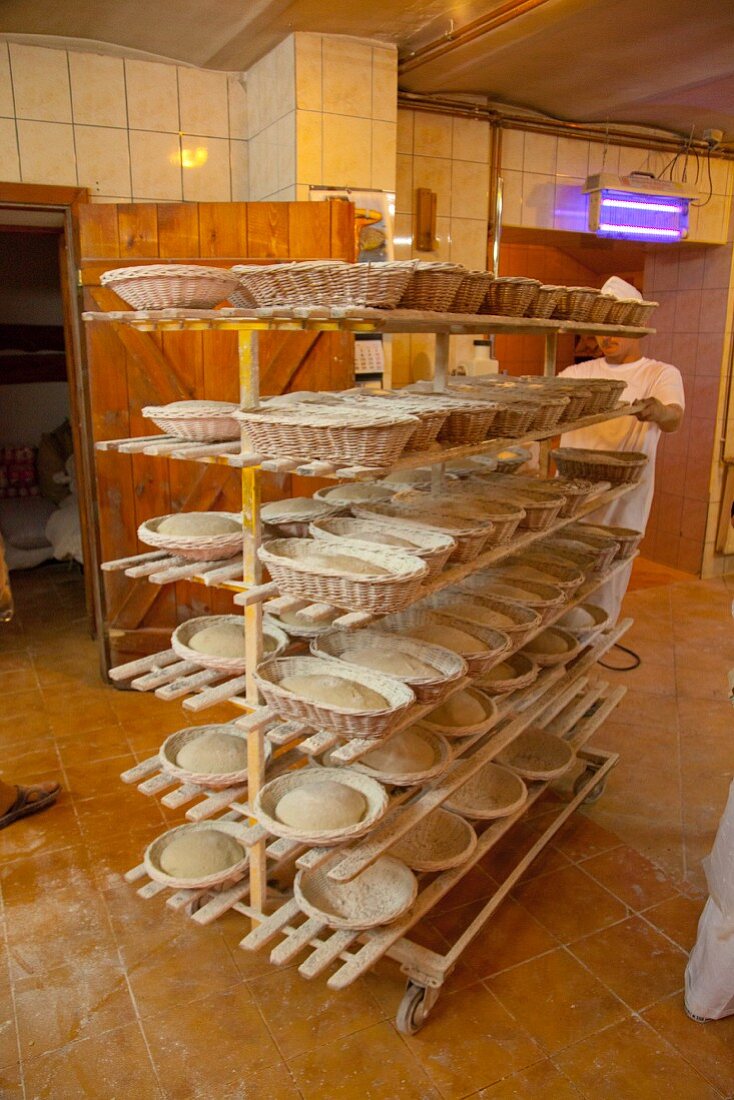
[(66, 201)]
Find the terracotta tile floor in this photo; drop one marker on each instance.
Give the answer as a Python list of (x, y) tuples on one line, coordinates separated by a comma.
[(574, 989)]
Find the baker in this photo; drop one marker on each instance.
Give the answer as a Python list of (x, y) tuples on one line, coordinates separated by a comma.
[(659, 387)]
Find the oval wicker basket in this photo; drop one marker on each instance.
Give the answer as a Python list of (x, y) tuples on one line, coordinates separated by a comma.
[(477, 662), (600, 308), (503, 513), (619, 467), (197, 421), (153, 852), (472, 291), (627, 538), (537, 755), (302, 627), (379, 895), (598, 542), (468, 421), (545, 301), (431, 547), (491, 792), (183, 634), (566, 577), (514, 418), (468, 611), (439, 841), (339, 720), (288, 521), (546, 599), (525, 670), (380, 593), (195, 547), (600, 616), (354, 492), (623, 311), (173, 744), (470, 536), (266, 804), (433, 286), (575, 304), (490, 711), (594, 557), (170, 286), (510, 296), (547, 658), (442, 755), (449, 666)]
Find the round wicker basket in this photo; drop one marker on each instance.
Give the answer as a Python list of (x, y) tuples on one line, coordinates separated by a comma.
[(433, 286), (490, 716), (472, 292), (354, 492), (496, 641), (152, 855), (619, 467), (379, 895), (441, 751), (266, 804), (510, 296), (183, 634), (196, 547), (537, 755), (196, 421), (584, 633), (547, 658), (491, 792), (291, 518), (439, 841), (173, 744), (339, 720), (525, 672), (170, 286)]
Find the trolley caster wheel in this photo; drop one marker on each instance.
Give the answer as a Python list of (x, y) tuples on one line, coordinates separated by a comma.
[(415, 1007), (594, 794)]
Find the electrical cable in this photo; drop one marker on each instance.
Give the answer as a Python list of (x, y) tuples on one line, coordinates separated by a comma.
[(636, 660)]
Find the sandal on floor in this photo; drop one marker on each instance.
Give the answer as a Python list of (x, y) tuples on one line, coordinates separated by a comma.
[(30, 800)]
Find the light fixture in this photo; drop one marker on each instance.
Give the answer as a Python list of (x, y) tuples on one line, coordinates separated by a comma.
[(638, 207)]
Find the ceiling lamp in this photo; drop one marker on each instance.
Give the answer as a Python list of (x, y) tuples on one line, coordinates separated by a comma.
[(638, 207)]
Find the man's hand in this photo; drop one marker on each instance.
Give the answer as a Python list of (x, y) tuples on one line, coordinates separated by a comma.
[(667, 417)]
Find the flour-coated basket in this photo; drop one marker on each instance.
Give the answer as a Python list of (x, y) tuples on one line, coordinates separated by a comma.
[(470, 536), (566, 577), (393, 778), (619, 467), (266, 803), (171, 286), (288, 521), (547, 658), (276, 639), (497, 642), (599, 555), (195, 547), (490, 717), (354, 492), (432, 547), (437, 842), (626, 537), (379, 895), (231, 874), (196, 421), (490, 793), (585, 634), (343, 721), (537, 755), (471, 610), (546, 599), (525, 671), (433, 286), (472, 291), (173, 744)]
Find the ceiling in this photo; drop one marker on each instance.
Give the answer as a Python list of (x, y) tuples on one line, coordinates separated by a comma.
[(665, 63)]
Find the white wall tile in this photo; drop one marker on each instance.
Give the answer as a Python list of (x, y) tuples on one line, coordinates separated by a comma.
[(238, 165), (571, 206), (540, 154), (432, 135), (263, 164), (40, 83), (109, 198), (309, 143), (347, 77), (346, 158), (47, 152), (601, 159), (103, 162), (406, 125), (203, 102), (384, 84), (470, 140), (573, 157), (237, 95), (513, 150), (469, 242), (511, 197), (632, 160), (152, 96), (7, 109), (209, 181), (286, 158), (156, 166), (404, 184), (403, 236), (435, 174), (469, 190), (308, 71), (284, 59), (712, 221), (538, 200), (383, 155), (97, 89), (9, 151)]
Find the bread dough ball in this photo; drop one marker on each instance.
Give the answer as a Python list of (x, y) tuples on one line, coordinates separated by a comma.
[(549, 641), (214, 754), (198, 523), (406, 753), (461, 709), (578, 618), (226, 640), (390, 660), (476, 613), (320, 806), (335, 691), (198, 854), (448, 637), (502, 671), (342, 563)]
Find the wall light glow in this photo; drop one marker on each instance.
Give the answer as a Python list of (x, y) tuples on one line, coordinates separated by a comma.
[(191, 158)]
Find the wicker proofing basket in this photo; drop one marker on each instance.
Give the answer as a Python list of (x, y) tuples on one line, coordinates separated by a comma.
[(472, 291), (439, 841), (470, 536), (430, 546), (566, 577), (449, 666), (524, 619), (173, 744), (526, 671), (442, 755), (619, 467), (626, 537), (467, 503), (584, 634), (540, 510), (491, 792), (377, 896), (183, 634), (537, 755), (575, 304), (338, 720), (623, 311), (171, 286), (513, 419), (197, 421), (597, 553), (468, 421), (379, 285), (266, 804), (545, 301), (195, 547), (380, 593), (498, 643), (546, 599), (546, 659), (288, 523), (230, 874), (433, 286), (510, 296), (600, 307), (490, 717), (354, 492)]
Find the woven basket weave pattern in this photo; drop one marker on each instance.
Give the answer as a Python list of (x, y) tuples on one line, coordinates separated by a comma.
[(171, 286)]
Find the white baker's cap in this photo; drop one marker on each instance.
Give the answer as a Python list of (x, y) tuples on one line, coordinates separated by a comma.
[(620, 289)]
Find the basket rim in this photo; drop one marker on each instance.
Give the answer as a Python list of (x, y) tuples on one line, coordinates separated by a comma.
[(431, 541), (547, 660), (375, 681), (490, 710), (326, 416), (397, 641), (320, 509), (388, 917), (231, 828), (436, 818), (409, 779), (191, 733), (207, 409), (156, 271), (209, 660), (413, 567), (453, 802), (378, 803), (533, 773), (600, 458)]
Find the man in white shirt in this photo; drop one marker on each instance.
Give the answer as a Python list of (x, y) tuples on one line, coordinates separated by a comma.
[(660, 387)]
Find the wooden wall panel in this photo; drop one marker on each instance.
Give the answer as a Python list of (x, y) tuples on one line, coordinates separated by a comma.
[(178, 230), (267, 230), (137, 228), (223, 229), (98, 230)]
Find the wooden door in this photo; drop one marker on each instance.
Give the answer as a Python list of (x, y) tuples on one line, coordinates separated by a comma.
[(128, 369)]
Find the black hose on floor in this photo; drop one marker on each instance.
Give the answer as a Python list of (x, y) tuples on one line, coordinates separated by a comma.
[(636, 660)]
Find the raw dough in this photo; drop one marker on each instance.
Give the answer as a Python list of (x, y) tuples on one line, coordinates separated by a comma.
[(320, 806), (387, 659), (462, 709), (214, 754), (198, 523), (201, 853), (485, 615), (550, 641), (447, 636), (335, 691), (404, 754), (577, 619), (341, 563), (225, 640)]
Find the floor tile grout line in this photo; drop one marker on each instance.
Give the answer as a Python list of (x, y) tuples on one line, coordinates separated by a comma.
[(6, 945)]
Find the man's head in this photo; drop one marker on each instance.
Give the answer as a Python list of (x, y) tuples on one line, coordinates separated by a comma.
[(619, 349)]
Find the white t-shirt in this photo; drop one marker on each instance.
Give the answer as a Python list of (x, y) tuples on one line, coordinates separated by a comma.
[(644, 378)]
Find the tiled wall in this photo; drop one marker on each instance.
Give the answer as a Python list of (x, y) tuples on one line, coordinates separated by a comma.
[(543, 174), (126, 129)]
